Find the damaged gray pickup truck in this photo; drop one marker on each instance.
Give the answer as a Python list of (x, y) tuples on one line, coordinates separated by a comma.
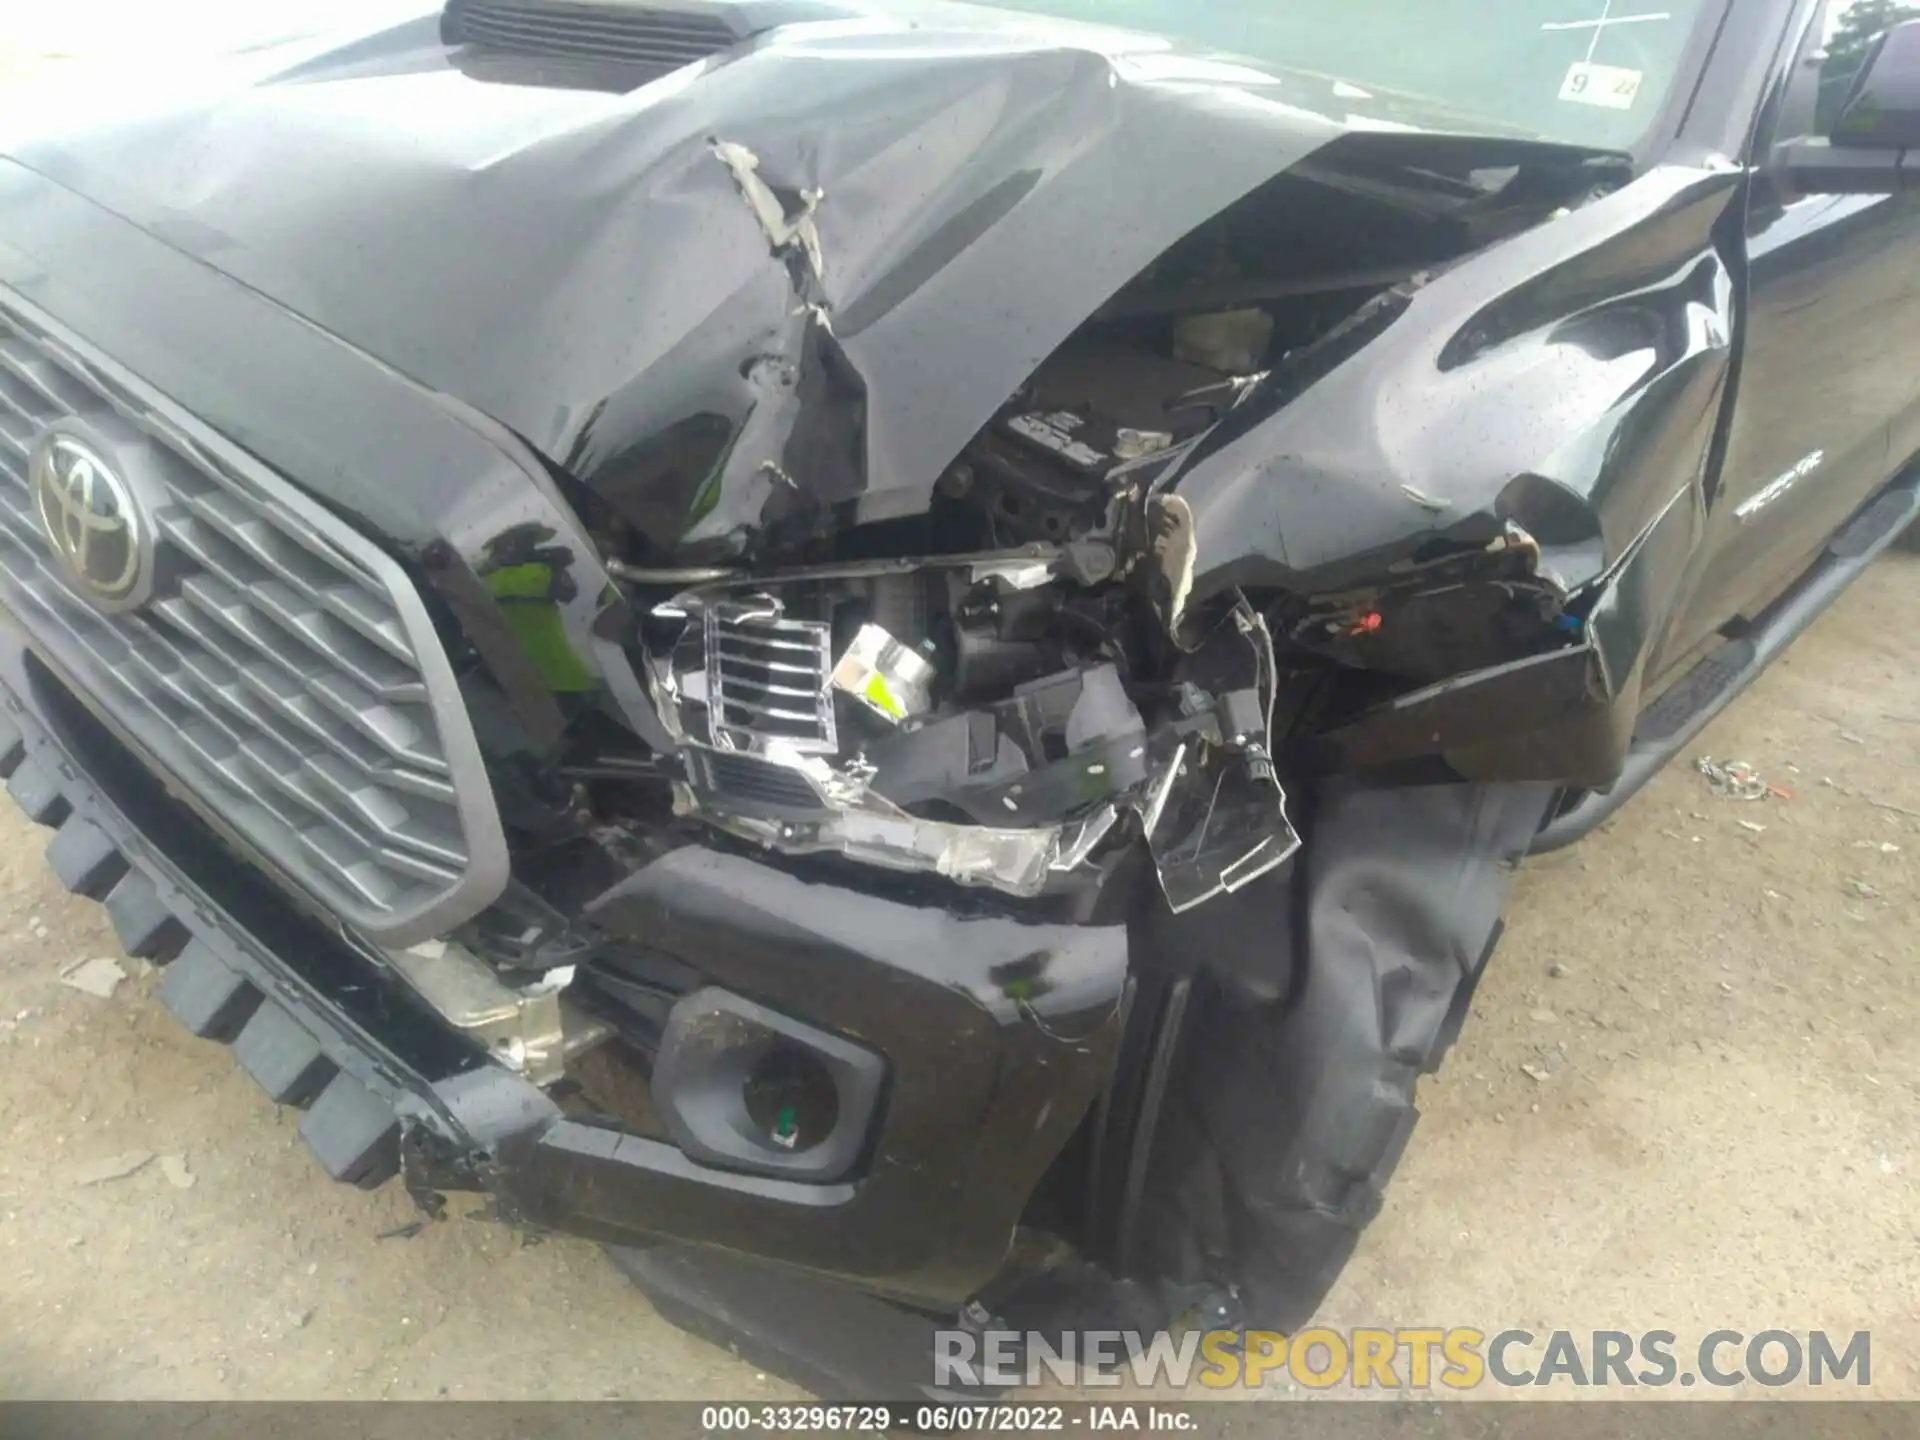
[(893, 654)]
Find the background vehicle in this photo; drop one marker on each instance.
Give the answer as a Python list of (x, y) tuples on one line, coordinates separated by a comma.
[(844, 636)]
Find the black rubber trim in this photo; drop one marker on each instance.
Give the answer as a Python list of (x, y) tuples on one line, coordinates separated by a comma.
[(86, 860), (1159, 1069), (283, 1057), (143, 922), (354, 1133), (207, 995), (36, 790)]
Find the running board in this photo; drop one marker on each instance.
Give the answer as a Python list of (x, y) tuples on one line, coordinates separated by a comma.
[(1670, 724)]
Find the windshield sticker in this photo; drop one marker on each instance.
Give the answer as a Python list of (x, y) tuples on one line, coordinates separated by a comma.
[(1607, 18), (1607, 85)]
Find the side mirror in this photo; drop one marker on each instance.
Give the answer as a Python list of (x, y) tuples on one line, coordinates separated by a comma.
[(1875, 145)]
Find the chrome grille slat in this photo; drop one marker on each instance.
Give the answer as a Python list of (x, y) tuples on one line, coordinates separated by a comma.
[(783, 667), (768, 679), (14, 409), (738, 682), (284, 674), (354, 608), (348, 866), (15, 526), (413, 865), (263, 544), (396, 729), (401, 734), (747, 646), (769, 712), (299, 709), (239, 747), (22, 367)]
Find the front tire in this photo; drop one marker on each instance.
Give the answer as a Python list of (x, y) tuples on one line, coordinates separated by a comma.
[(1291, 1099)]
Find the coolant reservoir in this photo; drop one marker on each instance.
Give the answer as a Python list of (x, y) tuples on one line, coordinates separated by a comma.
[(1231, 340)]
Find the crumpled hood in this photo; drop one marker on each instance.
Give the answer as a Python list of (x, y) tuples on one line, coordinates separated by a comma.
[(949, 191)]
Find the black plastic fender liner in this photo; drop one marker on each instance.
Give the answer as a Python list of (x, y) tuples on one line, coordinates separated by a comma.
[(1318, 997), (842, 1344)]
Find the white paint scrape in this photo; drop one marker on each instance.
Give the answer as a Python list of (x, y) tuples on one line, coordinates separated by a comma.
[(782, 230)]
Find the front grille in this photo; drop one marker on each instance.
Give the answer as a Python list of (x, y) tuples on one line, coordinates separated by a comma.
[(767, 678), (283, 674), (613, 34)]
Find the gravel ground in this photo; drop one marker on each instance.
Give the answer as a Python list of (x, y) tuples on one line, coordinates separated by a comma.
[(1685, 1101)]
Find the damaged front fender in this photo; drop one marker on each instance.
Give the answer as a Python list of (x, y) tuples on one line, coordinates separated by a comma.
[(1566, 381), (1492, 502)]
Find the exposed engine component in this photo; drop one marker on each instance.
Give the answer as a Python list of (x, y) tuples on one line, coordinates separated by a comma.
[(999, 737), (1235, 341), (529, 1029), (1039, 685), (1044, 469)]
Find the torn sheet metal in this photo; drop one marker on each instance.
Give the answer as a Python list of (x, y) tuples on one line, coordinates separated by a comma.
[(784, 231), (1170, 523), (1216, 817)]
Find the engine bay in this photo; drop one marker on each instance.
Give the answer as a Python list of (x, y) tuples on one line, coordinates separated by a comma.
[(1025, 697), (1017, 693), (975, 719), (1016, 685)]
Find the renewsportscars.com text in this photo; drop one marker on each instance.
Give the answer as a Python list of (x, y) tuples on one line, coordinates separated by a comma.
[(1460, 1358)]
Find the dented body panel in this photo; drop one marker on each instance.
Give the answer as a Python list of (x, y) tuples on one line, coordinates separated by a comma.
[(1568, 382), (659, 332)]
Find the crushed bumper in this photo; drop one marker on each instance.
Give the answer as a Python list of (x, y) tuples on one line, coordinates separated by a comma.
[(995, 1037)]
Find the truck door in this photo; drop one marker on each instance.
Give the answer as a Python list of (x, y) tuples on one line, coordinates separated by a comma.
[(1829, 387)]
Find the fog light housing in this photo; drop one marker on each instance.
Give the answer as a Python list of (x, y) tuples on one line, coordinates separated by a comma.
[(748, 1088)]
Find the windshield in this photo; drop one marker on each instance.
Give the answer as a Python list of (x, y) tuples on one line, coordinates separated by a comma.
[(1584, 72)]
